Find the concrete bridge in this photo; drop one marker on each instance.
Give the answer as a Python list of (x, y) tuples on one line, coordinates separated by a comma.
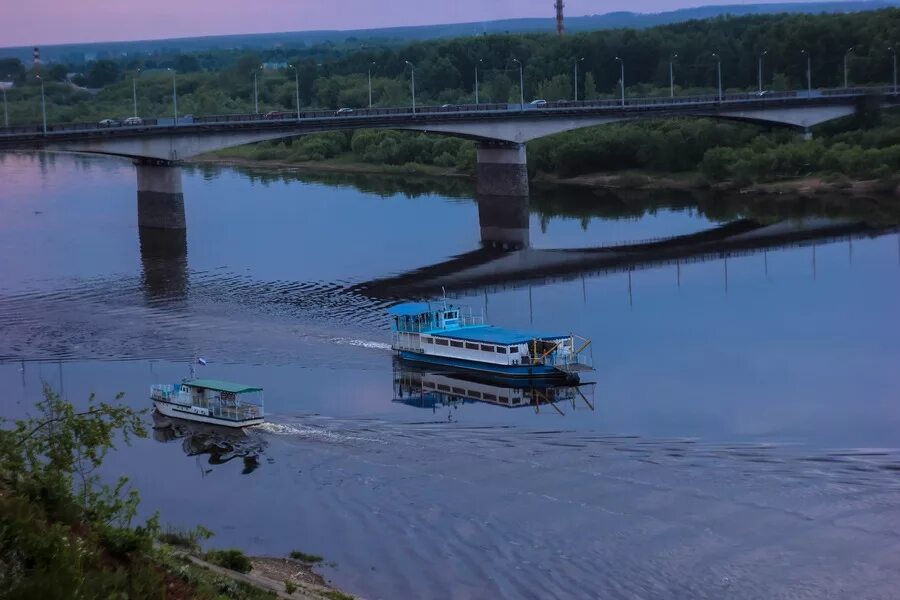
[(158, 145)]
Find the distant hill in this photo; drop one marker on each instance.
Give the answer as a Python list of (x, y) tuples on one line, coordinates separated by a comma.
[(75, 53)]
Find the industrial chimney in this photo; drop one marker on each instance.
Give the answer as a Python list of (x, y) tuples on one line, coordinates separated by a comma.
[(560, 25)]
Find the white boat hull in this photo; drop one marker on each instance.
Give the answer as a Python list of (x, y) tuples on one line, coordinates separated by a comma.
[(179, 411)]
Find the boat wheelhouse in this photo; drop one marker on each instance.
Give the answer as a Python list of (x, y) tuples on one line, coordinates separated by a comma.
[(444, 334), (210, 401)]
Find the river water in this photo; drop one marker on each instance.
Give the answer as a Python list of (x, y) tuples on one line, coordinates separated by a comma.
[(739, 437)]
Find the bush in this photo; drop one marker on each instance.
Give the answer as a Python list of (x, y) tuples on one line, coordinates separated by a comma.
[(230, 559), (304, 557), (289, 587)]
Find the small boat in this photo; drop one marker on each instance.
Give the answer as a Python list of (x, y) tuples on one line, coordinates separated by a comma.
[(210, 401), (443, 334)]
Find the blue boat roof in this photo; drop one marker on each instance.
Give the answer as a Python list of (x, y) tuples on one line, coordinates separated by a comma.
[(409, 309), (494, 335)]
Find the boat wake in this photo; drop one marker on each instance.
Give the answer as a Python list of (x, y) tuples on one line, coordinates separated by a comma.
[(362, 343)]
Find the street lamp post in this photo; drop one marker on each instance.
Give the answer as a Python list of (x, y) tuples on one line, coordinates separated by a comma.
[(808, 73), (622, 77), (134, 90), (370, 83), (480, 60), (521, 84), (846, 68), (759, 72), (256, 90), (412, 70), (576, 77), (719, 72), (174, 96), (296, 87), (672, 58), (893, 50), (43, 104)]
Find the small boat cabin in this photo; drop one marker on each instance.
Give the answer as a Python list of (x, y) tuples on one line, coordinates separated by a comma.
[(210, 401)]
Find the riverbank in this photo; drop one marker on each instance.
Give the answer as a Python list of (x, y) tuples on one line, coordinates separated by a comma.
[(811, 185)]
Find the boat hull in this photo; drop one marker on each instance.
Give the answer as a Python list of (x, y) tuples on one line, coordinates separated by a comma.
[(519, 372), (179, 411)]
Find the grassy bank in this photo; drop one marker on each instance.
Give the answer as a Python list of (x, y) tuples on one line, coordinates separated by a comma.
[(65, 534)]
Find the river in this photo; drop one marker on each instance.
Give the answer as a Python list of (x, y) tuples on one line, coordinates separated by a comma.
[(738, 438)]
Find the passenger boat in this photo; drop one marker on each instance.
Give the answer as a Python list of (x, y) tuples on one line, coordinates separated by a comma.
[(210, 401), (447, 335)]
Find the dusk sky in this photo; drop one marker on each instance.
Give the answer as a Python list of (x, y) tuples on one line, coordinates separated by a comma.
[(42, 22)]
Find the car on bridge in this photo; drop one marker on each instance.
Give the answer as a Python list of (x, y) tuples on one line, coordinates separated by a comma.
[(108, 123), (538, 103), (343, 111), (133, 121)]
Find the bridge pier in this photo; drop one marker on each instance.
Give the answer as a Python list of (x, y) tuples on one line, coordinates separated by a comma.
[(502, 170), (160, 195), (164, 263)]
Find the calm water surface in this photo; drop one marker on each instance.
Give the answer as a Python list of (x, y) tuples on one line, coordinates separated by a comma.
[(739, 438)]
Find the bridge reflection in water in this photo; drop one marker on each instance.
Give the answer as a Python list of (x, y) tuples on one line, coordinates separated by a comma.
[(164, 265), (421, 387), (507, 259)]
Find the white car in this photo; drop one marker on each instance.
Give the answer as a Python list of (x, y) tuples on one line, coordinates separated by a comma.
[(108, 123), (133, 121), (538, 103), (343, 111)]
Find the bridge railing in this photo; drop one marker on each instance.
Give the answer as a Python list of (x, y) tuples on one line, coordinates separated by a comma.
[(554, 107)]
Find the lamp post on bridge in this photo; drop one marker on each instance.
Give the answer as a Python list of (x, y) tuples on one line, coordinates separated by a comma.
[(43, 104), (296, 87), (174, 96), (846, 68), (576, 77), (134, 90), (759, 71), (5, 112), (893, 51), (412, 71), (256, 90), (521, 84), (622, 77), (480, 60), (672, 58), (719, 72), (369, 71), (808, 73)]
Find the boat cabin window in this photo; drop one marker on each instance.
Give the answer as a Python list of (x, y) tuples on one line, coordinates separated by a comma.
[(427, 340), (443, 388), (471, 346), (456, 344), (459, 391), (487, 396), (513, 349), (450, 315), (487, 348), (441, 342), (501, 350)]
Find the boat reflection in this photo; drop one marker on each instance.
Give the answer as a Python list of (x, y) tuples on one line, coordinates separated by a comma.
[(222, 444), (433, 389)]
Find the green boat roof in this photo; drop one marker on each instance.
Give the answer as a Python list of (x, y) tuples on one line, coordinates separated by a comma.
[(221, 386)]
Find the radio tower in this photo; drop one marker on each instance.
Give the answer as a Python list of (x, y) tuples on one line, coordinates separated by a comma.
[(560, 25)]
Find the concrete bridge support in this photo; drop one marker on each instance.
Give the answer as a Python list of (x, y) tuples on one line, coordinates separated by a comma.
[(502, 170), (160, 195)]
